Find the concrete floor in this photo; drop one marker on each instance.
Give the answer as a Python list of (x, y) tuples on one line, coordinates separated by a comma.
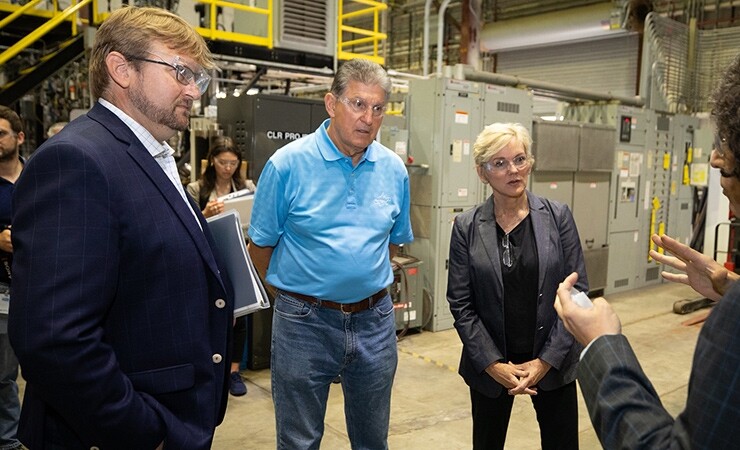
[(431, 407)]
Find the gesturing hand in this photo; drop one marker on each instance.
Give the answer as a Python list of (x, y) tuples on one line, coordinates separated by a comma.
[(585, 324), (705, 275)]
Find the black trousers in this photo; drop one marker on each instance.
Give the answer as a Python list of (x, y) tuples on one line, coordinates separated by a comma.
[(240, 339), (557, 414)]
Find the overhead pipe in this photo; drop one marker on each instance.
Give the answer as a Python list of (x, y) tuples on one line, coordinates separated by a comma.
[(585, 23), (469, 73), (440, 34), (425, 40)]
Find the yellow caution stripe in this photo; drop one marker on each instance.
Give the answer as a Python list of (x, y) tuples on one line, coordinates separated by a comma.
[(429, 360)]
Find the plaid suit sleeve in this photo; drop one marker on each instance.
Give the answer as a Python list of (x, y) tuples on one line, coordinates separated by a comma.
[(622, 403), (626, 411), (713, 407)]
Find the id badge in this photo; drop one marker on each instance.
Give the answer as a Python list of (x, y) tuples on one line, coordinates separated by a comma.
[(4, 297)]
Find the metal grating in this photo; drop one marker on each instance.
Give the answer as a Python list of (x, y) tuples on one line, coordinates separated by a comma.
[(508, 107), (682, 89), (621, 283), (652, 274), (716, 49), (305, 20), (668, 42)]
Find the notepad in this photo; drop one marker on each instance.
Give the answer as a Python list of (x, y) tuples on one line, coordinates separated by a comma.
[(243, 205)]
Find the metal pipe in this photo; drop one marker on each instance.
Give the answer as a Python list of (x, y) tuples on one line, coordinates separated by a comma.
[(425, 43), (440, 33), (469, 73)]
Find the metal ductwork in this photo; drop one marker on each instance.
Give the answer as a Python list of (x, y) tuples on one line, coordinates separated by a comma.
[(572, 25)]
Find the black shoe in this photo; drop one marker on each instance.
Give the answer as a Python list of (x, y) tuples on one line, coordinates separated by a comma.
[(237, 388)]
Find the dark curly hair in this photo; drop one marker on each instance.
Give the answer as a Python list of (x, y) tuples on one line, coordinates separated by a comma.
[(220, 145), (726, 109)]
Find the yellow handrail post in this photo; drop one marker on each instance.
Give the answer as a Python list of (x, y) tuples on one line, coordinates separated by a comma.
[(74, 20), (211, 31), (373, 36)]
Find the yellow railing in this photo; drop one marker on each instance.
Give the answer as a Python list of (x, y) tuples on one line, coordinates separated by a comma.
[(346, 49), (70, 14), (212, 31), (373, 36)]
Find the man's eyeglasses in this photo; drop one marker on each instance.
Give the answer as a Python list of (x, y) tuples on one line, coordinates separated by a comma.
[(360, 106), (502, 165), (4, 133), (183, 73), (720, 145), (227, 164)]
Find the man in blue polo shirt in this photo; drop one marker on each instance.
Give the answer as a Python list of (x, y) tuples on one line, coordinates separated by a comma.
[(331, 210)]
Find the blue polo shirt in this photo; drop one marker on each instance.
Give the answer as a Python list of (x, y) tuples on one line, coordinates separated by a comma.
[(330, 223)]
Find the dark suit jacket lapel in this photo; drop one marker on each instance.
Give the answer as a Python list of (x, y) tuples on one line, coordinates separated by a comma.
[(489, 236), (151, 168), (542, 226)]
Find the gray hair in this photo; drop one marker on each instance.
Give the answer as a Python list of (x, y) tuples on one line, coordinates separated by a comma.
[(496, 136), (363, 71)]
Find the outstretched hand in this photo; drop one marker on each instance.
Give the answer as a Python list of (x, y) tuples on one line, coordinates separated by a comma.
[(705, 275), (585, 324)]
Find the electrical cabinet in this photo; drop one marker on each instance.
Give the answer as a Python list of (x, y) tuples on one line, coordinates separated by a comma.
[(572, 166), (627, 200), (651, 192), (444, 119), (406, 292), (261, 124)]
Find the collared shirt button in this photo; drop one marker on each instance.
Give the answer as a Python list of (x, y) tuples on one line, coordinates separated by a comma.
[(220, 303), (217, 358)]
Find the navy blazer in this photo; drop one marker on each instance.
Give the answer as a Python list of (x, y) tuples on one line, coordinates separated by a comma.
[(119, 317), (475, 291), (626, 411)]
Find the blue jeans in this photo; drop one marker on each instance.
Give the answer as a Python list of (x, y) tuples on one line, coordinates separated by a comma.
[(311, 345), (10, 407)]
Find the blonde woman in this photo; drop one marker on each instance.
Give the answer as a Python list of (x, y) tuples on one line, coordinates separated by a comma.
[(507, 257)]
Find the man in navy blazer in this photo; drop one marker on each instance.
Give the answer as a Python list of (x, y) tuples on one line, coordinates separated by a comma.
[(625, 409), (119, 315)]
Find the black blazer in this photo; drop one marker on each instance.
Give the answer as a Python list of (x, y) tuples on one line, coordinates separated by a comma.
[(475, 292)]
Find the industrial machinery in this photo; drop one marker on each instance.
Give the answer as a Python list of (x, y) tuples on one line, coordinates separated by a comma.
[(650, 192), (261, 124), (406, 294)]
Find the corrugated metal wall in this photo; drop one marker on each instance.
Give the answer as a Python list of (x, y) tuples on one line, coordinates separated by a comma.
[(606, 65)]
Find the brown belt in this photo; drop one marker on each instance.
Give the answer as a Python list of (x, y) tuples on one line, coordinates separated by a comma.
[(344, 307)]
